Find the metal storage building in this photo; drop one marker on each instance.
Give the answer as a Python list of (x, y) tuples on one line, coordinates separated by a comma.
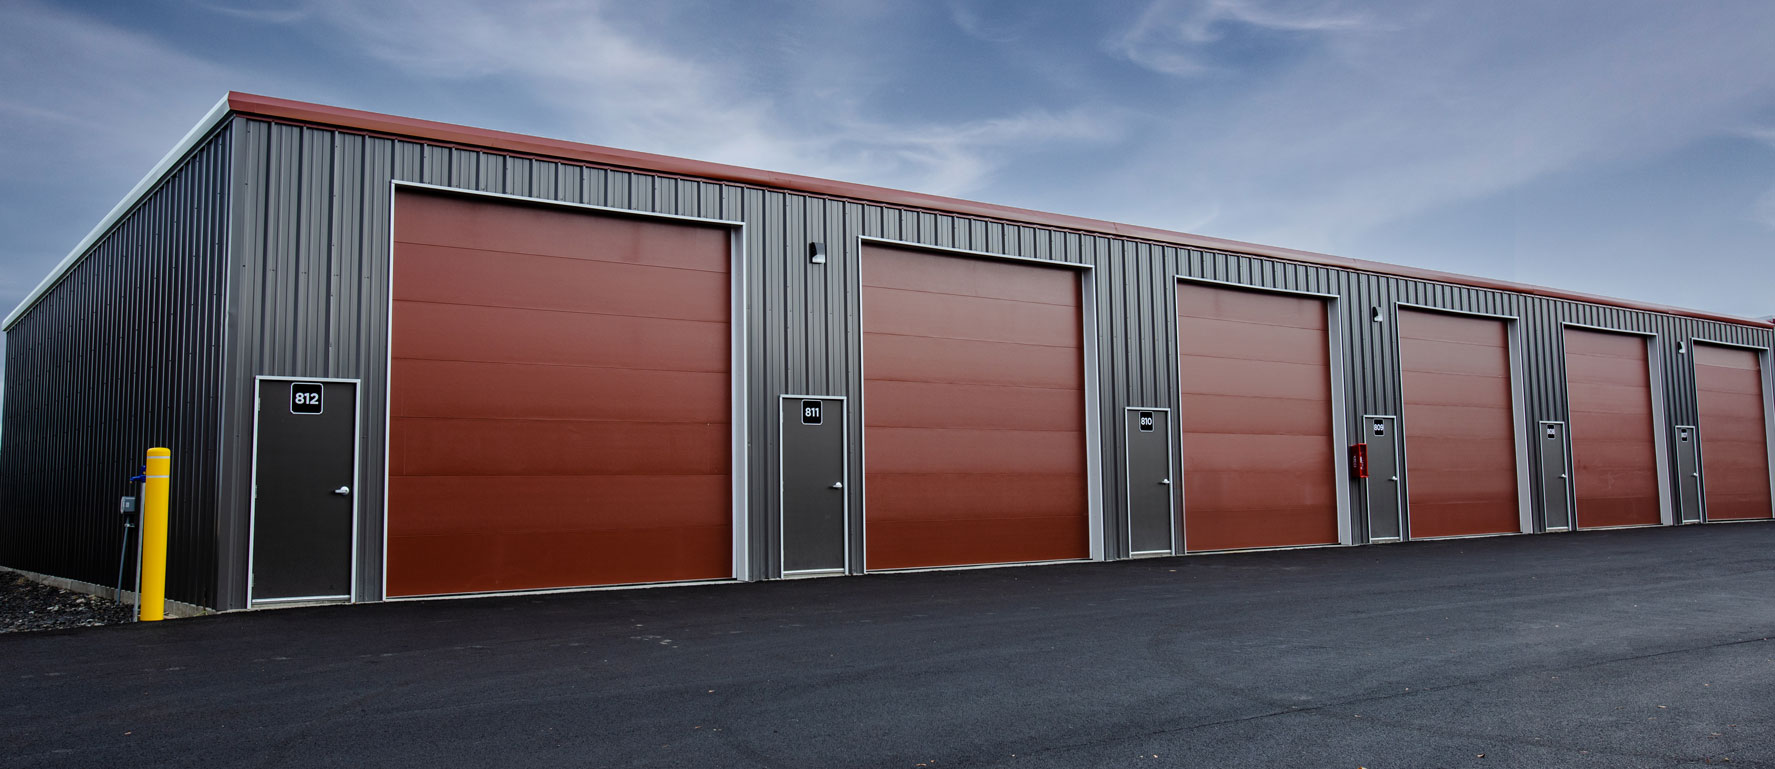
[(399, 358)]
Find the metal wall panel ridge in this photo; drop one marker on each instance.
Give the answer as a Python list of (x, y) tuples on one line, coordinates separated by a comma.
[(122, 354)]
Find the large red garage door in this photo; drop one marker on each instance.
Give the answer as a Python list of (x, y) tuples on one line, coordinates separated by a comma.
[(559, 399), (1614, 463), (1460, 435), (1734, 435), (974, 442), (1258, 461)]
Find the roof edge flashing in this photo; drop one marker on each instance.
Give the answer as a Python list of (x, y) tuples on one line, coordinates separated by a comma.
[(149, 182)]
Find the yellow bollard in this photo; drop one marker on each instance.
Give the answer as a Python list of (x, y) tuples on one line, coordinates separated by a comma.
[(154, 494)]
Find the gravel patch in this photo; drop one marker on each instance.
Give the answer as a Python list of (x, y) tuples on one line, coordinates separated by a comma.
[(29, 605)]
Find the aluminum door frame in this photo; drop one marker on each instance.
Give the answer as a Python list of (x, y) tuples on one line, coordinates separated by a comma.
[(1525, 520), (1087, 275), (357, 436), (1766, 361), (1398, 440), (1660, 422), (1340, 407), (1128, 482), (739, 389), (782, 501), (1571, 496)]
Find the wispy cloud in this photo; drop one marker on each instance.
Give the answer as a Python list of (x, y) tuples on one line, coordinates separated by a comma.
[(981, 21), (1175, 36), (1451, 102), (86, 108), (1323, 124), (1764, 209), (618, 87)]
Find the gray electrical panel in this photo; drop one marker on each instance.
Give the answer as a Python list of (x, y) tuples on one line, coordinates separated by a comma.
[(1382, 488), (813, 478), (1556, 476), (1688, 472)]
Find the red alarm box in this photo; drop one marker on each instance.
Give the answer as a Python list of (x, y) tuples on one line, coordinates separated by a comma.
[(1359, 460)]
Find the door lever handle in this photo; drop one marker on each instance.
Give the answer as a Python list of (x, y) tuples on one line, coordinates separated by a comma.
[(836, 485), (343, 491)]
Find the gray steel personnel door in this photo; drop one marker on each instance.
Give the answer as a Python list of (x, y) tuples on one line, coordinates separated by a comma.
[(1149, 481), (1688, 472), (813, 475), (1382, 485), (304, 500), (1556, 477)]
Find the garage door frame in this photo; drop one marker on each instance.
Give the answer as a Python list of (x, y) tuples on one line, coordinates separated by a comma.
[(1661, 434), (1766, 359), (1093, 429), (1525, 513), (738, 455), (1340, 408)]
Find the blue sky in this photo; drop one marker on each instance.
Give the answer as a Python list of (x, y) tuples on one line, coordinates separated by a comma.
[(1624, 148)]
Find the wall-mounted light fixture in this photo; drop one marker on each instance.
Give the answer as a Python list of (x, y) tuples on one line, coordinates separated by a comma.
[(1681, 347), (1379, 315), (816, 253)]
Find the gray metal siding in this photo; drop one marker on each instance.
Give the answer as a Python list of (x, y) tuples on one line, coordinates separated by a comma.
[(124, 353), (310, 275)]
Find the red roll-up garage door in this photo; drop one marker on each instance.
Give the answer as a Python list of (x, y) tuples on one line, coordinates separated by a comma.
[(1258, 460), (559, 399), (974, 434), (1460, 435), (1614, 462), (1734, 433)]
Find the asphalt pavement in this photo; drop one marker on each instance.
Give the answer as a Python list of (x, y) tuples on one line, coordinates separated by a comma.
[(1617, 649)]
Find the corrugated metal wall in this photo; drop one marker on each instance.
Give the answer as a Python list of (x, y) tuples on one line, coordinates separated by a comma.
[(311, 233), (123, 354)]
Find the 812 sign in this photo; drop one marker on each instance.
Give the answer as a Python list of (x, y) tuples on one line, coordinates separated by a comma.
[(307, 397)]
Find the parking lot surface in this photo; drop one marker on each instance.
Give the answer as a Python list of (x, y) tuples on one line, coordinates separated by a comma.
[(1618, 649)]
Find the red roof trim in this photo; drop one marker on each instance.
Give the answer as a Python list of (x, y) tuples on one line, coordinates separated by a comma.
[(377, 123)]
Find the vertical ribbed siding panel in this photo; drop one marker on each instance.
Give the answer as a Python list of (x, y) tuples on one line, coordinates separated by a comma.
[(804, 320), (121, 355)]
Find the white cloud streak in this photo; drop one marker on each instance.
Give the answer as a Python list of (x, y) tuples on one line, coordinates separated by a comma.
[(1451, 102), (1171, 35), (620, 88)]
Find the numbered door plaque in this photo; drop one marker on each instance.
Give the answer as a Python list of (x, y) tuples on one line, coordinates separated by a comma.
[(306, 397)]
